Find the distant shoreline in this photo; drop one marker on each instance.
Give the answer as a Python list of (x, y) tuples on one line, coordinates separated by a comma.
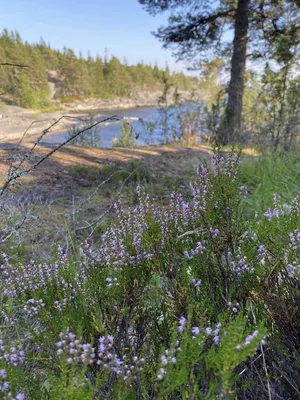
[(14, 121)]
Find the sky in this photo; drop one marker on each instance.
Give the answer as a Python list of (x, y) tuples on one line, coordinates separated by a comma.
[(120, 26)]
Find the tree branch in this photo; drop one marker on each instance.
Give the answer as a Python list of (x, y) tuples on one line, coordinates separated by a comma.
[(10, 89), (7, 64), (15, 175)]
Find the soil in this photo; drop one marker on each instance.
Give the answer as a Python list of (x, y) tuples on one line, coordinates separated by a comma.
[(52, 193)]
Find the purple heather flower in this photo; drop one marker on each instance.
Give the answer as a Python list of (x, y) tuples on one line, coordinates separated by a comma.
[(182, 322), (216, 339), (4, 387), (187, 255), (208, 330), (249, 338), (20, 396), (196, 331), (164, 360), (196, 283), (110, 339), (243, 191), (295, 239), (214, 232)]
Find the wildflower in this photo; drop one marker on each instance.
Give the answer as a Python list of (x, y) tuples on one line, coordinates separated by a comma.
[(249, 338), (214, 232), (187, 255), (164, 360), (208, 331), (216, 339), (240, 265), (182, 323), (295, 239), (20, 396), (196, 331), (293, 269), (243, 191), (276, 212), (4, 387), (196, 283)]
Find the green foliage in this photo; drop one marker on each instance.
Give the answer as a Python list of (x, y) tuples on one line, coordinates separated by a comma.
[(27, 96), (91, 137), (174, 301), (271, 173), (132, 172), (74, 77), (181, 123), (127, 137)]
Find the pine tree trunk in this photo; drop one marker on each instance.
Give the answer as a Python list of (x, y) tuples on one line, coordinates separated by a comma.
[(232, 122)]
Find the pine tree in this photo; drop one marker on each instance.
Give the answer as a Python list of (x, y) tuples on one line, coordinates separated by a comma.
[(196, 28)]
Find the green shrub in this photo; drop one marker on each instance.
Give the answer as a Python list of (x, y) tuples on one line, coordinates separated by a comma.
[(27, 96), (194, 299), (127, 138)]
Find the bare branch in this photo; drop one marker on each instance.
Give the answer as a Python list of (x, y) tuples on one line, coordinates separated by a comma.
[(13, 176), (44, 133), (10, 89), (7, 64), (93, 225)]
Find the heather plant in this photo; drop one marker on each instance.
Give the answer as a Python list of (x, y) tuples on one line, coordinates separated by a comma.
[(194, 298)]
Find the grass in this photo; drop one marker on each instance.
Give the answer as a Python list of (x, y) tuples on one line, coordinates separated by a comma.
[(132, 171), (50, 109), (271, 173)]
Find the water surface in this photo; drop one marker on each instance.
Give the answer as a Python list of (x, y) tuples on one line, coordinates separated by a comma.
[(148, 126)]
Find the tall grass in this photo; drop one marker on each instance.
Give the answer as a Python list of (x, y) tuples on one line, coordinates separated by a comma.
[(268, 174)]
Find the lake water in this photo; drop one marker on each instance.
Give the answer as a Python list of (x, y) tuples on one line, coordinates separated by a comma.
[(148, 126)]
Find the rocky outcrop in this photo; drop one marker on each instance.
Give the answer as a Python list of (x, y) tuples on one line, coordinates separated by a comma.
[(142, 99), (14, 121)]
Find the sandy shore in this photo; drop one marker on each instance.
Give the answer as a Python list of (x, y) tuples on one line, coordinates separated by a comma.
[(15, 122)]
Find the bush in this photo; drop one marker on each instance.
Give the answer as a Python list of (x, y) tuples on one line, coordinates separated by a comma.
[(27, 96), (90, 138), (127, 138), (190, 300)]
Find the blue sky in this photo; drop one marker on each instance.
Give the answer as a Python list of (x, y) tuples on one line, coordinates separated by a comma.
[(121, 26)]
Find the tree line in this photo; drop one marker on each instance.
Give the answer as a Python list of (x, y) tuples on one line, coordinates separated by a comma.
[(74, 76)]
